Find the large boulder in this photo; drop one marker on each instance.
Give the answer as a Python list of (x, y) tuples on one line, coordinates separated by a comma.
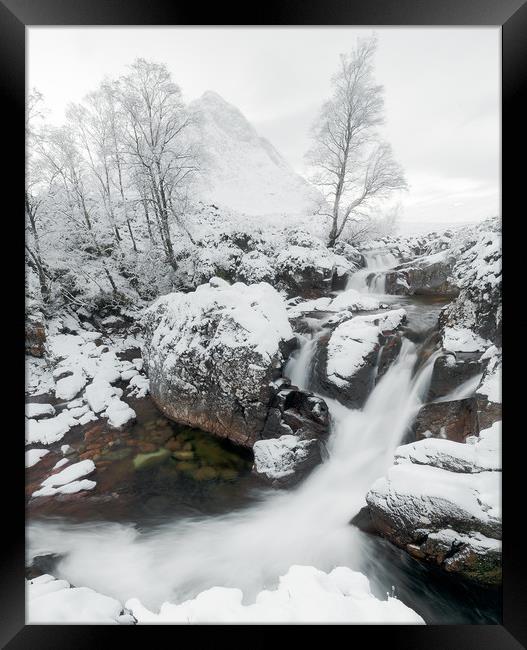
[(452, 420), (478, 274), (346, 359), (426, 275), (212, 355), (452, 371), (440, 501), (310, 272)]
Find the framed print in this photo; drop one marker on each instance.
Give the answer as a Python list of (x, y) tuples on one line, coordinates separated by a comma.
[(263, 321)]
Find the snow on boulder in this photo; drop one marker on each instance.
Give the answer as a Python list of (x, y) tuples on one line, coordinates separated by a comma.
[(309, 272), (255, 267), (67, 481), (119, 413), (139, 386), (344, 364), (277, 458), (69, 387), (478, 274), (50, 430), (303, 595), (463, 340), (54, 601), (71, 473), (440, 501), (33, 456), (100, 393), (212, 354), (38, 411)]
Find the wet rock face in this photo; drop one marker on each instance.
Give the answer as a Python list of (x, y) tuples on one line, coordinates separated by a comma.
[(422, 277), (451, 371), (447, 420), (35, 338)]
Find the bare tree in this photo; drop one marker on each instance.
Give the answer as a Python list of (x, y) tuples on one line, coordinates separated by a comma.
[(354, 168)]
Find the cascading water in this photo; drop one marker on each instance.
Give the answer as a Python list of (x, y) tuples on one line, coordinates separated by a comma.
[(371, 279), (251, 548)]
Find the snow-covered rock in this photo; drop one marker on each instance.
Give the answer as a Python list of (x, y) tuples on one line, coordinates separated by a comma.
[(277, 458), (68, 387), (345, 363), (309, 272), (68, 481), (49, 430), (304, 595), (211, 355), (478, 274), (441, 501), (53, 601), (33, 456), (119, 413), (100, 393), (37, 411)]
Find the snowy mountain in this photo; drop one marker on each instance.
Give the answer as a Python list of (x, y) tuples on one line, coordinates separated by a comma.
[(243, 171)]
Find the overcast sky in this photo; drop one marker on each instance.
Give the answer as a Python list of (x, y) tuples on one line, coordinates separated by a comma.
[(442, 93)]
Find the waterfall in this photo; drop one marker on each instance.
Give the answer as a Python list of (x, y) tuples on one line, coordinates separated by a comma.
[(252, 547), (372, 278)]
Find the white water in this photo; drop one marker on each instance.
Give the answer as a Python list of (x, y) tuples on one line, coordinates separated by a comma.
[(372, 279), (251, 548)]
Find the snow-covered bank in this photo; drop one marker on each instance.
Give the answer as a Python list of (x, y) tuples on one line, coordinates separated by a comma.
[(441, 501), (304, 595)]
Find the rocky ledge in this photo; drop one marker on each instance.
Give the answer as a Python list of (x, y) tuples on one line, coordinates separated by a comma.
[(441, 503)]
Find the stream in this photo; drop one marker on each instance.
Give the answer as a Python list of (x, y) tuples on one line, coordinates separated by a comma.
[(232, 532)]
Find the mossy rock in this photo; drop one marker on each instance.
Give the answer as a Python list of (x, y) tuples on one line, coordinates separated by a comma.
[(186, 466), (205, 474), (183, 455), (118, 454), (228, 474), (143, 461)]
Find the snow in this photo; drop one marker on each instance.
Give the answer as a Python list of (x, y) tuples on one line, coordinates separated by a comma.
[(34, 455), (71, 473), (279, 457), (434, 482), (68, 488), (243, 171), (54, 601), (481, 453), (304, 595), (100, 393), (249, 316), (462, 339), (39, 410), (118, 413), (353, 340), (61, 463), (68, 387), (139, 386), (355, 301), (490, 386), (49, 430)]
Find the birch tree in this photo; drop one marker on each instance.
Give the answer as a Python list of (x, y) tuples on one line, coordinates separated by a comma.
[(163, 157), (353, 167)]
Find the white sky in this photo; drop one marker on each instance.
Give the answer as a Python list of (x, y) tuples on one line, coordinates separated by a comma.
[(442, 93)]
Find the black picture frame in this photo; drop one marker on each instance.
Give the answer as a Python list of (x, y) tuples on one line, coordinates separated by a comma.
[(511, 15)]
